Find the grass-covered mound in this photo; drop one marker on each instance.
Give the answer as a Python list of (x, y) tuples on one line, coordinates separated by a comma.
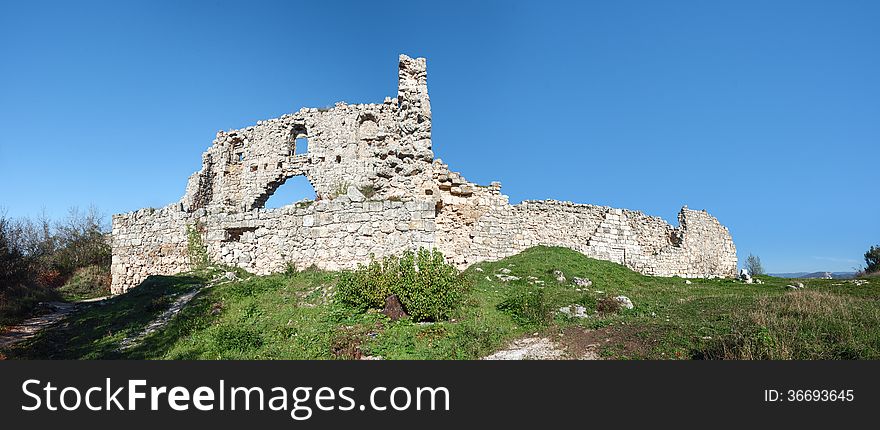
[(87, 283), (295, 316)]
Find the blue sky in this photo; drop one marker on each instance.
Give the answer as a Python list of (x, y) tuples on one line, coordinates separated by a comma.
[(767, 114)]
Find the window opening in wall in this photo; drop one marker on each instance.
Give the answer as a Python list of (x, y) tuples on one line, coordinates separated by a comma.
[(298, 142), (300, 146), (234, 234), (292, 190)]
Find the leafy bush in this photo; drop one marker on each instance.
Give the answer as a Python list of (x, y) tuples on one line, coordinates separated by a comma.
[(427, 286), (37, 257)]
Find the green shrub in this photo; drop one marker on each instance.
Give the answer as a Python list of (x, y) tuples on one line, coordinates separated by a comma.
[(427, 286), (195, 247), (527, 306)]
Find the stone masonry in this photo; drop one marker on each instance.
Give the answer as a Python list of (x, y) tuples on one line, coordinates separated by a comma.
[(379, 191)]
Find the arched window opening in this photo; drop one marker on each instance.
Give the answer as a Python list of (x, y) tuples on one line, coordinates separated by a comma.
[(293, 190)]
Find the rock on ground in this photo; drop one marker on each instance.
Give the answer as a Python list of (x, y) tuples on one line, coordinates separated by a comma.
[(539, 348), (581, 282), (624, 301), (530, 348)]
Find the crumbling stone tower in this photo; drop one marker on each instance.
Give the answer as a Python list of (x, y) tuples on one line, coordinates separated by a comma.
[(380, 191)]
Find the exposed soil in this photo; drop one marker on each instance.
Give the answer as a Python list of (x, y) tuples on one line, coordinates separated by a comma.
[(578, 343), (49, 313), (619, 341)]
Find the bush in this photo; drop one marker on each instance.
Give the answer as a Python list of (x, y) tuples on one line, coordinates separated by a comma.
[(427, 286), (607, 305), (38, 256), (80, 242), (528, 306)]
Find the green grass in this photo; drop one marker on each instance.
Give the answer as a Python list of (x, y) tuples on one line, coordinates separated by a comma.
[(293, 316)]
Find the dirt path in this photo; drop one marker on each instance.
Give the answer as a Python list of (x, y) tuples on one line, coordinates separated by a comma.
[(162, 320), (52, 313), (574, 344)]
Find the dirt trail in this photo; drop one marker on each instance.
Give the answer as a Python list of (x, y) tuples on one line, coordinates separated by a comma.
[(543, 348), (162, 320), (165, 317), (53, 313)]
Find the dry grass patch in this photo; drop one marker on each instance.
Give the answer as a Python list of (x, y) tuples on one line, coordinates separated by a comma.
[(804, 324)]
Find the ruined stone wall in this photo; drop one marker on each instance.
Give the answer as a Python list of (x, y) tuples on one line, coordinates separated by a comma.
[(699, 247), (148, 242), (379, 191), (330, 234)]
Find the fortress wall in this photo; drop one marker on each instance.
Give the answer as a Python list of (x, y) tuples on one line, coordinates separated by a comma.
[(148, 242), (708, 248), (379, 190), (347, 145), (334, 234), (699, 247)]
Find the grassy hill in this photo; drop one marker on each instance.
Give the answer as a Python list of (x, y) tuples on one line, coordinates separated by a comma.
[(293, 316)]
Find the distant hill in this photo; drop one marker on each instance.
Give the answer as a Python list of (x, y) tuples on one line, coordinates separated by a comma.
[(815, 275)]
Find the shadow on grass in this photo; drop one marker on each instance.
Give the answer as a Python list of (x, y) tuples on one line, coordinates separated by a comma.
[(96, 330)]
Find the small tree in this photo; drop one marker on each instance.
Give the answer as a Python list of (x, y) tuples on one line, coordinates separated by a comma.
[(753, 265), (872, 260)]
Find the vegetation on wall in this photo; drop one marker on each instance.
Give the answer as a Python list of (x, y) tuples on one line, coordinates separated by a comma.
[(196, 250)]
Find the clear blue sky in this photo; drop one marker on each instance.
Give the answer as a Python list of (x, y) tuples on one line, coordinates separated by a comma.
[(765, 113)]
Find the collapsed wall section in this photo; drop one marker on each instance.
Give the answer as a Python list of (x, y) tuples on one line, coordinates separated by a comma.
[(700, 247)]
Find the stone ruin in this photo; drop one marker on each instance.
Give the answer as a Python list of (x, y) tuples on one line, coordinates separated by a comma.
[(379, 191)]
